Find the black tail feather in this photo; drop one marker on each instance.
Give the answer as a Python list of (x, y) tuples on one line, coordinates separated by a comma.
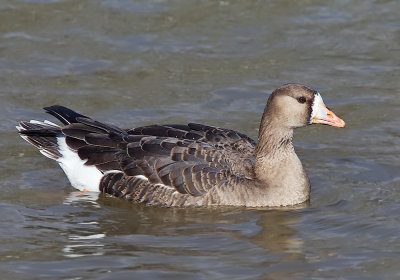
[(63, 114), (43, 136), (41, 132)]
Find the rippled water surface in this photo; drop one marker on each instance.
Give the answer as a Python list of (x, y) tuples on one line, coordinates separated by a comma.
[(139, 62)]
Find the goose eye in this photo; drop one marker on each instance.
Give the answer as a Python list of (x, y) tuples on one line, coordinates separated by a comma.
[(301, 99)]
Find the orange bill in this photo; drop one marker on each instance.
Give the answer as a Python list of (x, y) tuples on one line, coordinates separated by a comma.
[(323, 115), (328, 117)]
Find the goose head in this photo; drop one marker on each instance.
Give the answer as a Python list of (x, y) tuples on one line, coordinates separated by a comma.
[(296, 105)]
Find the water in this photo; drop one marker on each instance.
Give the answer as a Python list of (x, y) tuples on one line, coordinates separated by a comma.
[(139, 62)]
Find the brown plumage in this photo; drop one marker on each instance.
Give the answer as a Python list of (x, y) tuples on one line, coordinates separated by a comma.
[(188, 165)]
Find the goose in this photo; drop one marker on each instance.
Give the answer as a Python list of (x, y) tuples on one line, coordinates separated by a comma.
[(187, 164)]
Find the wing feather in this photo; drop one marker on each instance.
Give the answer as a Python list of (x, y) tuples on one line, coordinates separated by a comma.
[(191, 159)]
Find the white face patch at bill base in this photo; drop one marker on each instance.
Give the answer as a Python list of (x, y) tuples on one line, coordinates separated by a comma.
[(318, 107), (322, 115)]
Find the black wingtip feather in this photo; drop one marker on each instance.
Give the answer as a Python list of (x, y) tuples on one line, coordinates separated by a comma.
[(63, 114)]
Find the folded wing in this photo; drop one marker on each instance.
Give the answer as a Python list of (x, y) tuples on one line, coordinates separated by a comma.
[(191, 158)]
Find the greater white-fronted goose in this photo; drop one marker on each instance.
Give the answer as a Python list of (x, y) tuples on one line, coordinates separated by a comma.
[(187, 165)]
